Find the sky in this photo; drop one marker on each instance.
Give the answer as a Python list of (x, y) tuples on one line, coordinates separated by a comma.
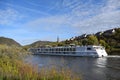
[(27, 21)]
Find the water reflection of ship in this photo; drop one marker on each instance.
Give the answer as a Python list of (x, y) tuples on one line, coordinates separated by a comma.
[(101, 62)]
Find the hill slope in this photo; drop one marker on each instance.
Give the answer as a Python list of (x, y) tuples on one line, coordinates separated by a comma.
[(40, 43), (8, 41), (109, 39)]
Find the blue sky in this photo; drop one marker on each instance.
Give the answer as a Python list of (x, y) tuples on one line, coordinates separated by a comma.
[(27, 21)]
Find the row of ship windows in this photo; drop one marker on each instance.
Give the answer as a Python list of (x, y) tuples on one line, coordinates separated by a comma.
[(60, 52), (68, 53), (58, 49)]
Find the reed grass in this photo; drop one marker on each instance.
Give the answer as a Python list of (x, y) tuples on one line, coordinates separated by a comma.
[(12, 67)]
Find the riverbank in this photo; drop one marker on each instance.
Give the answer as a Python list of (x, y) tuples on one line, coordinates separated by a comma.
[(12, 67), (115, 51)]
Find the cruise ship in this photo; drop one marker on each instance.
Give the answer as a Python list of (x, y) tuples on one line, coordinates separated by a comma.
[(89, 51)]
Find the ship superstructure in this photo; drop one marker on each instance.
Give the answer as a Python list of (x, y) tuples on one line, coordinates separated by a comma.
[(91, 50)]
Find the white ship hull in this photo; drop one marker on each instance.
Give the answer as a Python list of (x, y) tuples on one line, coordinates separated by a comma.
[(88, 51)]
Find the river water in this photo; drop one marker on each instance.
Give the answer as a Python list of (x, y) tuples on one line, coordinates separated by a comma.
[(106, 68)]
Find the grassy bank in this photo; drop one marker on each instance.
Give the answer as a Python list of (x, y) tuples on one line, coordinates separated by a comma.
[(114, 51), (12, 67)]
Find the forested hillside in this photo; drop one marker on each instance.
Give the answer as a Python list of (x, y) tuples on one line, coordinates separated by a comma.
[(110, 39), (8, 42)]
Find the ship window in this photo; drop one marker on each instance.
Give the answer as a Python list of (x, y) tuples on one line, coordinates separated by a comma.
[(73, 49), (51, 49), (89, 48), (61, 49), (64, 49), (41, 49), (67, 49), (56, 49), (73, 52), (94, 53), (70, 49)]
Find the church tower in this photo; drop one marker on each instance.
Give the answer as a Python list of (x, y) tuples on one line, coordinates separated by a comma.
[(57, 39)]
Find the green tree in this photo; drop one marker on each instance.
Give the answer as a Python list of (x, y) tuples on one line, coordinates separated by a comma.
[(84, 42), (75, 42), (92, 40), (103, 43), (60, 44)]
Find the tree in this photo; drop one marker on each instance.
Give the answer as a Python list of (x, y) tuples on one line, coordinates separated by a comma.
[(84, 42), (103, 43), (60, 44), (75, 42), (92, 40), (67, 42)]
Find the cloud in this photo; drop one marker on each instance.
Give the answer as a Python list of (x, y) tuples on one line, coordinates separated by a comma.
[(9, 16), (111, 5), (24, 7), (100, 22), (48, 23), (48, 7), (93, 18), (108, 17), (83, 17)]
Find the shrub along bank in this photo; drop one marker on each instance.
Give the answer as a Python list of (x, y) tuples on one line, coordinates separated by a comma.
[(12, 67)]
